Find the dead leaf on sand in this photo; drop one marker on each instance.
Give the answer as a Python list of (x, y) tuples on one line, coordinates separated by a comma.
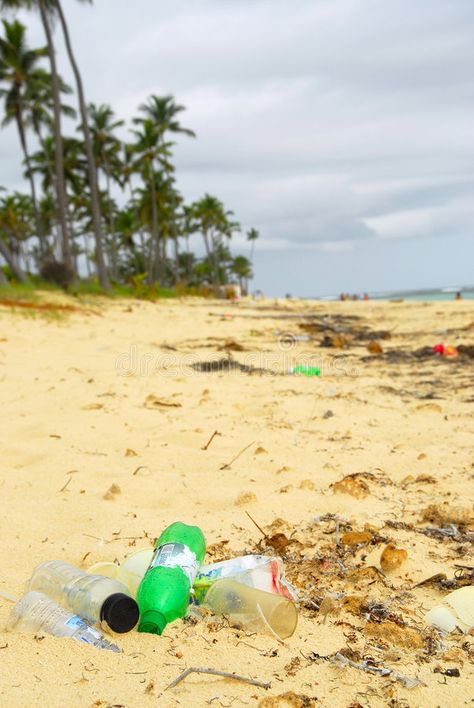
[(336, 341), (112, 492), (278, 541), (130, 453), (392, 557), (231, 345), (353, 485), (245, 498), (92, 407), (354, 538), (374, 348), (152, 402)]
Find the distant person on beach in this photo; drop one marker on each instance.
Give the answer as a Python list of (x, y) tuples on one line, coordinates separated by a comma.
[(458, 295), (366, 296)]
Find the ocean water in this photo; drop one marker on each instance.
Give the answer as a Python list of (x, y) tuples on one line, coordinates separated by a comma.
[(419, 295), (438, 295)]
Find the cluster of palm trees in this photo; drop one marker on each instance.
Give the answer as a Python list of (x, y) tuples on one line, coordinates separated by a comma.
[(99, 207)]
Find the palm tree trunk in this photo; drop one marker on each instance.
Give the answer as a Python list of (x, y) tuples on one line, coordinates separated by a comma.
[(24, 147), (111, 220), (86, 255), (73, 241), (58, 140), (14, 267), (96, 215), (175, 239), (52, 180), (154, 245)]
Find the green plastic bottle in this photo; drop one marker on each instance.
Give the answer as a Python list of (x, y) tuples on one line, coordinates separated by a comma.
[(163, 594), (305, 370)]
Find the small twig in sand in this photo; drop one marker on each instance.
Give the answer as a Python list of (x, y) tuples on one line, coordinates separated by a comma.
[(63, 489), (227, 465), (216, 432), (216, 672), (259, 527)]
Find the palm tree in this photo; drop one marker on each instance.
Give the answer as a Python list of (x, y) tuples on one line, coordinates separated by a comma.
[(17, 66), (16, 227), (46, 9), (210, 218), (162, 111), (106, 147), (150, 153), (252, 236), (242, 268)]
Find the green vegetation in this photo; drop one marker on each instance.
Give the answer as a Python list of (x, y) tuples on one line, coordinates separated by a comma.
[(102, 214)]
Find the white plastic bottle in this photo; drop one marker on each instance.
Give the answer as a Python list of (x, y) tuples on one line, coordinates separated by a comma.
[(94, 597), (35, 612)]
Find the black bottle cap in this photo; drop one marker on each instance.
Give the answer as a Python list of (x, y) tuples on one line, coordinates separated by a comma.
[(120, 612)]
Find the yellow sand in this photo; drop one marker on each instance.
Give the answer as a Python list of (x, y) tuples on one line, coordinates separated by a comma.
[(78, 416)]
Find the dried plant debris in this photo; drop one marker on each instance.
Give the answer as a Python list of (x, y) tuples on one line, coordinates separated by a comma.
[(372, 667), (226, 364), (440, 533), (152, 402), (356, 484), (463, 576)]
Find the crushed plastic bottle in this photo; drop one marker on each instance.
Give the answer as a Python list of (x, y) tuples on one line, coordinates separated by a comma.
[(94, 597), (260, 572), (35, 612), (252, 609), (163, 594)]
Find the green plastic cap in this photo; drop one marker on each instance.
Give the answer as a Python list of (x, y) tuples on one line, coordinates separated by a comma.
[(152, 622)]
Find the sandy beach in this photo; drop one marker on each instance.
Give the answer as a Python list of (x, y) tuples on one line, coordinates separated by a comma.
[(104, 421)]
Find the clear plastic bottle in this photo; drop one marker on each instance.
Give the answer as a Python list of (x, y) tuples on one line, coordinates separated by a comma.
[(94, 597), (163, 594), (35, 612)]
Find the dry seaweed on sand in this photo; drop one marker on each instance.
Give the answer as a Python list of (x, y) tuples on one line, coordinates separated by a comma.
[(463, 576), (226, 364), (371, 668), (451, 532)]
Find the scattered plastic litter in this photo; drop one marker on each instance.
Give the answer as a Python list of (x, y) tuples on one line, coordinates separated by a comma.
[(444, 350), (457, 610), (35, 612), (168, 582)]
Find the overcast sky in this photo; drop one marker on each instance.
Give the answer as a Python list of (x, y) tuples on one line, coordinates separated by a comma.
[(343, 130)]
